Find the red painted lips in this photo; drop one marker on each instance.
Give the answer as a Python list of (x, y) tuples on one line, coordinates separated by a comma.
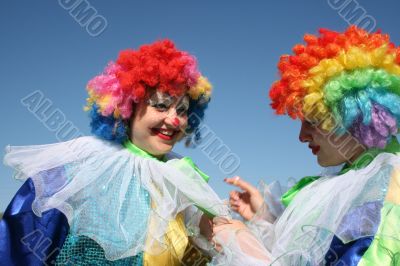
[(315, 149), (165, 134)]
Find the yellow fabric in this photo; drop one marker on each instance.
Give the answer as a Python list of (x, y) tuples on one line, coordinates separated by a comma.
[(176, 240)]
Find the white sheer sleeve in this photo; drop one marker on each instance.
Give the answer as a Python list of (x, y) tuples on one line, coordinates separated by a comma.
[(238, 245), (262, 224), (193, 217)]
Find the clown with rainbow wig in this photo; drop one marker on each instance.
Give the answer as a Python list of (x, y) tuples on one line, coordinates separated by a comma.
[(345, 90), (120, 197)]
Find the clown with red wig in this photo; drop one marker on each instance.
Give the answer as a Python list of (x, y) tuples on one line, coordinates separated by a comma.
[(120, 197)]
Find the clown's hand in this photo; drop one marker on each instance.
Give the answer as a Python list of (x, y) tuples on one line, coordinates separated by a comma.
[(246, 202), (239, 245), (224, 231), (206, 227)]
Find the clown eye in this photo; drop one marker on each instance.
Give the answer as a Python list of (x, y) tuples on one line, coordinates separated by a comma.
[(311, 123), (182, 106), (182, 110), (161, 107), (160, 101)]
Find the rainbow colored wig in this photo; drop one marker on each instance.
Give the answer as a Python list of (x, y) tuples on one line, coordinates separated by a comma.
[(346, 81), (125, 82)]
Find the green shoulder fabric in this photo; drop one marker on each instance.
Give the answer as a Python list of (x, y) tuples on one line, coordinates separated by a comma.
[(292, 192), (385, 248), (189, 161)]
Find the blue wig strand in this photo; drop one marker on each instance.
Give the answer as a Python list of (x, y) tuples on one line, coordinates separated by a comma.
[(196, 115), (365, 105), (386, 99), (350, 110), (359, 104), (107, 127)]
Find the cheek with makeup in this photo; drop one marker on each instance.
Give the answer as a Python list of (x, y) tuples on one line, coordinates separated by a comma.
[(330, 149), (156, 126)]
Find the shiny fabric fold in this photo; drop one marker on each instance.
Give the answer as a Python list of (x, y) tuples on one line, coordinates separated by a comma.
[(27, 239)]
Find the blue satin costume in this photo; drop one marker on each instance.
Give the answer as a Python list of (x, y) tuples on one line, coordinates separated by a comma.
[(27, 239)]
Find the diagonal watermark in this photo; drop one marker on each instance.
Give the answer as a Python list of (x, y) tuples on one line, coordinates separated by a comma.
[(353, 13), (85, 15)]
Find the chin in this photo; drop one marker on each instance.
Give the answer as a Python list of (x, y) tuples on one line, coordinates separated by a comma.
[(323, 162), (327, 163), (162, 149)]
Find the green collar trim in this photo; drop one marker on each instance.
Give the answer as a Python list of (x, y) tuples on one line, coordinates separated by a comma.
[(138, 151), (362, 161), (369, 155), (185, 160)]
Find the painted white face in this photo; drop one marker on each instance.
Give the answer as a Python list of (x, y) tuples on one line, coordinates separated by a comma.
[(159, 122)]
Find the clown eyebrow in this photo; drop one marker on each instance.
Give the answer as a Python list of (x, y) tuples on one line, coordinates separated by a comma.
[(160, 98)]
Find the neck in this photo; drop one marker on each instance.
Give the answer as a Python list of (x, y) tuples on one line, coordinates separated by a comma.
[(137, 149), (357, 154), (159, 157), (365, 156)]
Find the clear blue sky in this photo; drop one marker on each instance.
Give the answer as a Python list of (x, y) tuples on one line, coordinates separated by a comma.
[(237, 43)]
